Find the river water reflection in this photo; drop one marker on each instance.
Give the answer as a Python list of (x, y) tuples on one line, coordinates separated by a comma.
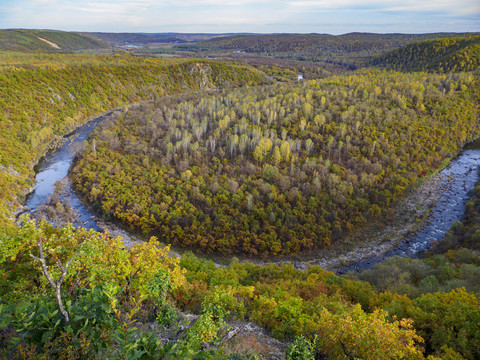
[(54, 167)]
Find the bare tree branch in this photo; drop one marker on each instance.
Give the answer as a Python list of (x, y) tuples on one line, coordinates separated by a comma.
[(56, 285), (230, 334), (183, 329), (224, 338), (44, 264)]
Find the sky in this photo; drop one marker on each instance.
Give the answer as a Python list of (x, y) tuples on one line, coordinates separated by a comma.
[(251, 16)]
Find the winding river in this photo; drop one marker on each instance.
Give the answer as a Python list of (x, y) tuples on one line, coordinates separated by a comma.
[(54, 167), (459, 177)]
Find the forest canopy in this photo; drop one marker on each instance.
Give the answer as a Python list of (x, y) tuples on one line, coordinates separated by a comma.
[(277, 169), (214, 157), (439, 55), (45, 96)]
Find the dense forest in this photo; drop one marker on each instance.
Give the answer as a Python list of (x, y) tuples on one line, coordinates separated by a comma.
[(148, 38), (229, 159), (45, 96), (46, 41), (440, 55), (330, 317), (349, 48), (278, 169)]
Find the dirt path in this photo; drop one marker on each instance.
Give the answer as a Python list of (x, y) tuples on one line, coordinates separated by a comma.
[(52, 44)]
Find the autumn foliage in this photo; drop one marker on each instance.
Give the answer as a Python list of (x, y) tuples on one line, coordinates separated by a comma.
[(278, 169)]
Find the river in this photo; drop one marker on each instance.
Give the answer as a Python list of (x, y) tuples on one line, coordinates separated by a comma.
[(459, 177), (53, 167)]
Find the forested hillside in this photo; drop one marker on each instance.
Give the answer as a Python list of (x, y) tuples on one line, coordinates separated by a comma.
[(440, 55), (279, 169), (126, 304), (121, 38), (218, 159), (43, 97), (348, 48), (146, 38), (46, 41)]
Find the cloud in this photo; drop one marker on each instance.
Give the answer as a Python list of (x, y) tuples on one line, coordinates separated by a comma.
[(225, 3), (337, 16), (446, 6)]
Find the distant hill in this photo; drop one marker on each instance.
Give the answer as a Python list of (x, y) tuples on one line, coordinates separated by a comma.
[(442, 55), (343, 48), (148, 38), (189, 37), (120, 38), (46, 41)]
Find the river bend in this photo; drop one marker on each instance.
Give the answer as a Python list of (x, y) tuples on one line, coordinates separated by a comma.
[(459, 177)]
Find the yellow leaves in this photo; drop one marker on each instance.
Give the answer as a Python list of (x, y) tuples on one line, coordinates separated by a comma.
[(147, 258), (99, 258), (245, 291), (205, 329), (285, 151), (263, 312), (94, 193), (355, 333)]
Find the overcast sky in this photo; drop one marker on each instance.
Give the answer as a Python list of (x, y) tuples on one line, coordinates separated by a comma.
[(260, 16)]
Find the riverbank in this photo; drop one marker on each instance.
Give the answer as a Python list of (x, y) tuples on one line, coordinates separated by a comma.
[(410, 216), (374, 241), (55, 200), (56, 144)]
